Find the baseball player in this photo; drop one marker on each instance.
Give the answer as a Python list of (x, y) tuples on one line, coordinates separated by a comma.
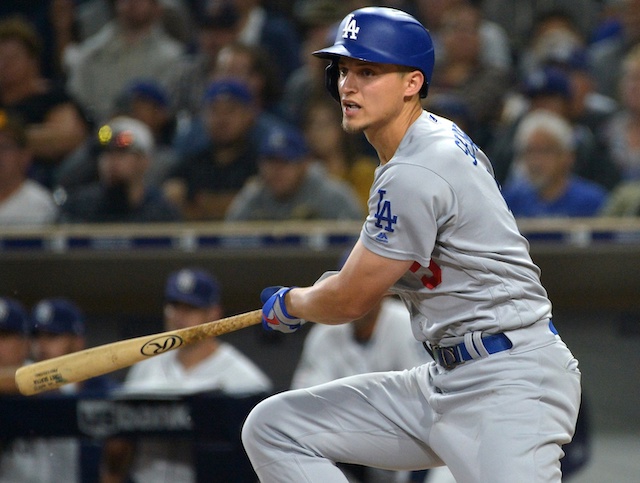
[(502, 395), (192, 297)]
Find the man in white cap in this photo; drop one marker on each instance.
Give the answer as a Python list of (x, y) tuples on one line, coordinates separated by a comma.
[(121, 195)]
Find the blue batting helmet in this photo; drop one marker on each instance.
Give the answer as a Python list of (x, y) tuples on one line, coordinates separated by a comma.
[(382, 35)]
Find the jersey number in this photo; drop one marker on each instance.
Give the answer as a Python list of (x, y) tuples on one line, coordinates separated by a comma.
[(436, 274)]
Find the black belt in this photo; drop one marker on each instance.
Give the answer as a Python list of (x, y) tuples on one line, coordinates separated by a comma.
[(450, 357)]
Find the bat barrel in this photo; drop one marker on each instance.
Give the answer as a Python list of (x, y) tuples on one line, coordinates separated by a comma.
[(96, 361)]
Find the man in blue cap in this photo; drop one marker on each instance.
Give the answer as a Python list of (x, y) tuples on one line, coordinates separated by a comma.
[(291, 186), (15, 327), (55, 328), (58, 328), (192, 297), (218, 153)]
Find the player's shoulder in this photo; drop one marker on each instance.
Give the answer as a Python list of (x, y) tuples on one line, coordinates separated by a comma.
[(434, 138)]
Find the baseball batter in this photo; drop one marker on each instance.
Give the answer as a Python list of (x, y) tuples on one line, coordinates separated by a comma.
[(502, 395)]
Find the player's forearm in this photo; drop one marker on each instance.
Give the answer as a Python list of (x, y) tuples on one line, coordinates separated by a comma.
[(329, 303)]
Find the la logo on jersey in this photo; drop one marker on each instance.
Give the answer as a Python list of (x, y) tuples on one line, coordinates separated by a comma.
[(351, 29), (385, 218)]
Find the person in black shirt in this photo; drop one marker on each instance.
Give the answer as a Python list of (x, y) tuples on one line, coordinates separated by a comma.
[(121, 194), (204, 182)]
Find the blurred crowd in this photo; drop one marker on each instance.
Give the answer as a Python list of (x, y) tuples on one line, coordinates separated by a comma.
[(191, 110)]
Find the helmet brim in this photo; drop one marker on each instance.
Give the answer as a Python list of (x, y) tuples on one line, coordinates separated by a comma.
[(366, 54)]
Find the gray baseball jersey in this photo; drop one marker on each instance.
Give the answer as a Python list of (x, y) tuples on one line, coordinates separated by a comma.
[(436, 202)]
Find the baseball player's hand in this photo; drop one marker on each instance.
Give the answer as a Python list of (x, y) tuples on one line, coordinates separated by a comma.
[(274, 311)]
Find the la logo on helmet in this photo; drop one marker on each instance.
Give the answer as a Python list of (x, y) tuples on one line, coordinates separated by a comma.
[(351, 29)]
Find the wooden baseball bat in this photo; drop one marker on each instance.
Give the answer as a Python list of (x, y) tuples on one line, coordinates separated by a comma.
[(95, 361)]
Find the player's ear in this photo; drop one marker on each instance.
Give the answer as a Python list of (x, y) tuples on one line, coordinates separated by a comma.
[(413, 82)]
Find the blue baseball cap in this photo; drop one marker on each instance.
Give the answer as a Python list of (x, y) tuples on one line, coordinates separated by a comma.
[(547, 81), (283, 142), (229, 89), (148, 89), (195, 287), (13, 317), (57, 316)]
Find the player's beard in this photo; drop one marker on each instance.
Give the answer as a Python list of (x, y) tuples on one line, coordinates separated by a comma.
[(350, 128)]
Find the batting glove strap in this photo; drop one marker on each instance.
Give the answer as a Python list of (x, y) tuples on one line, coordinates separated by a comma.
[(275, 315)]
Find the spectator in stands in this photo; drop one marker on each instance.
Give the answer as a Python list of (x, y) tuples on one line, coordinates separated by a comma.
[(547, 187), (55, 125), (264, 27), (204, 182), (557, 41), (317, 21), (23, 201), (74, 21), (133, 45), (588, 107), (290, 187), (549, 88), (36, 13), (553, 32), (495, 47), (463, 72), (608, 24), (518, 18), (59, 329), (147, 101), (339, 152), (192, 297), (66, 34), (624, 200), (622, 132), (193, 76), (121, 194), (251, 65), (607, 56)]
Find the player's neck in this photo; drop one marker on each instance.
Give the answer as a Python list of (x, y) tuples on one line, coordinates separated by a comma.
[(386, 138)]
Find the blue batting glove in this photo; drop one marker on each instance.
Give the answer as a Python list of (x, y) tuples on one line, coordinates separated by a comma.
[(274, 311)]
